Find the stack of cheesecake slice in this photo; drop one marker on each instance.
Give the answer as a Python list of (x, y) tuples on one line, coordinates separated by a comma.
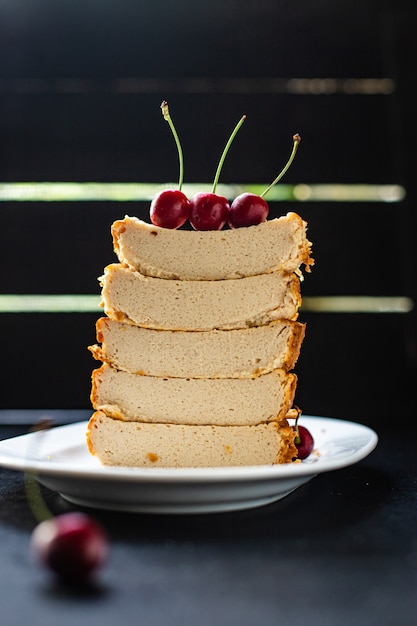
[(198, 345)]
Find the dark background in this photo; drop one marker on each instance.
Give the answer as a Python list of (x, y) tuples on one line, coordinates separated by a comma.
[(80, 88)]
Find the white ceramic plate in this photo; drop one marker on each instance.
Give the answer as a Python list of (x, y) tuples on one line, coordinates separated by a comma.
[(61, 461)]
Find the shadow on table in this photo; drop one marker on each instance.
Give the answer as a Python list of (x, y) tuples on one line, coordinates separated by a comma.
[(336, 501)]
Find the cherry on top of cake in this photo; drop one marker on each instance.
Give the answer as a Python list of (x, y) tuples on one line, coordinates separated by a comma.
[(171, 208), (251, 245)]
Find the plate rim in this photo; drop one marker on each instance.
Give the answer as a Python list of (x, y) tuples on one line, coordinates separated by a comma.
[(13, 461)]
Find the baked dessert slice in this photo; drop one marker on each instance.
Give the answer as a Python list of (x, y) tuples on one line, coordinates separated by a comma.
[(279, 244), (116, 442), (217, 401), (242, 353), (198, 304)]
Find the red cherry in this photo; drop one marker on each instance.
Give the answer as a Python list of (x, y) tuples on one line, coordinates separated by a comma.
[(248, 209), (208, 211), (169, 209), (304, 442), (72, 545)]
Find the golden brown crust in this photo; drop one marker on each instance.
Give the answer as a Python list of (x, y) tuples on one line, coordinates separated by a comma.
[(295, 348), (89, 434), (291, 394), (98, 353), (307, 259), (95, 381), (288, 450)]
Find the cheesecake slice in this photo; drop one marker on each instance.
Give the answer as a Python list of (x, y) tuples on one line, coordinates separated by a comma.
[(279, 244), (216, 401), (115, 442), (157, 303), (242, 353)]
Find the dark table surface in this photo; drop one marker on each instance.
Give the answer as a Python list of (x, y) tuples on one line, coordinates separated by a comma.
[(340, 550)]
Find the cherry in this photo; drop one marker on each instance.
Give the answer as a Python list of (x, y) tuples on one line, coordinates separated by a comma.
[(248, 209), (304, 442), (208, 211), (169, 208), (72, 545)]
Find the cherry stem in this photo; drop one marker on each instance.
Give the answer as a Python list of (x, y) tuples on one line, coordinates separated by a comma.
[(167, 117), (33, 493), (36, 502), (225, 151), (296, 139), (297, 437)]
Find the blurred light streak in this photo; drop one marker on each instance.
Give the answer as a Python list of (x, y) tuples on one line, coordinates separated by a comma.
[(78, 303), (136, 192)]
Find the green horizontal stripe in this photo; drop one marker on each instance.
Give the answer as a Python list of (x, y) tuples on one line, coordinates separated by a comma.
[(37, 303), (134, 192), (357, 304)]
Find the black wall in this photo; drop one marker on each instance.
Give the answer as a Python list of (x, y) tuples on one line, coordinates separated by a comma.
[(80, 88)]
